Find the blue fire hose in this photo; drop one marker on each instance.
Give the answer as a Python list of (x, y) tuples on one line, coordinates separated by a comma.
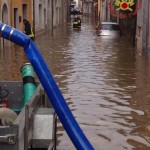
[(66, 117)]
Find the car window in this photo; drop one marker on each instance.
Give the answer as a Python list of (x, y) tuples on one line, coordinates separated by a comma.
[(110, 27), (105, 26), (115, 27)]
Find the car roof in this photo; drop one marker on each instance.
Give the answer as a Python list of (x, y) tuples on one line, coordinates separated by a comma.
[(109, 23)]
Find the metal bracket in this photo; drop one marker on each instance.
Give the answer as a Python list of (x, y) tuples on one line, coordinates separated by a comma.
[(9, 139)]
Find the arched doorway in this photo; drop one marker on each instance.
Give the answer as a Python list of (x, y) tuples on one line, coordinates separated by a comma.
[(5, 14), (4, 20)]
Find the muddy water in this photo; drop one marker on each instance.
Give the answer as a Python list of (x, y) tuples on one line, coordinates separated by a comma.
[(104, 81)]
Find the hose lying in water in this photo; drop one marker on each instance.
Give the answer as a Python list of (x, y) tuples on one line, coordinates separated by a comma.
[(66, 117)]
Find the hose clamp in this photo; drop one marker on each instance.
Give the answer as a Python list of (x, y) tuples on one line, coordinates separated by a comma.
[(3, 27), (11, 32)]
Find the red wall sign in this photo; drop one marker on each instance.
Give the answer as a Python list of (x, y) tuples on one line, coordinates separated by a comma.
[(124, 8)]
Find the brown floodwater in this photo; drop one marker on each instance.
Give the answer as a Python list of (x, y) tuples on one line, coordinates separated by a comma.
[(105, 82)]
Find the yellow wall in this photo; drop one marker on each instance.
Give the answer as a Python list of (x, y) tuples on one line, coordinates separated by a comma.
[(18, 4), (99, 7), (30, 9)]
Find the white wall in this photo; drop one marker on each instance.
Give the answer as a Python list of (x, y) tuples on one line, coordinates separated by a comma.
[(40, 16), (60, 12), (44, 18)]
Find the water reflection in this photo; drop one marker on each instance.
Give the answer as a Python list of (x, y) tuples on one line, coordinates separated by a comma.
[(11, 60), (104, 82)]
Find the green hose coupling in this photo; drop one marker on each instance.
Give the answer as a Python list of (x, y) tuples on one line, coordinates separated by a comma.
[(29, 85)]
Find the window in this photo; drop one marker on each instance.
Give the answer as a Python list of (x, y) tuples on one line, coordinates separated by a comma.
[(110, 27)]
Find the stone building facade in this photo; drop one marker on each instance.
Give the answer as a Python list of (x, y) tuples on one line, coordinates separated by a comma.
[(143, 28), (42, 14), (12, 12), (87, 6), (50, 13)]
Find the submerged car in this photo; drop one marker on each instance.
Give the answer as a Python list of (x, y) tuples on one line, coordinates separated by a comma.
[(108, 29)]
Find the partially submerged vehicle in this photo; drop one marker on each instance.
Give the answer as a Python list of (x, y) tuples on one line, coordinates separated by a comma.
[(111, 29)]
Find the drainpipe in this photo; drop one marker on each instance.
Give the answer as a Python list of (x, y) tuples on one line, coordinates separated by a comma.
[(11, 13), (68, 10), (148, 37), (134, 33), (34, 18), (52, 13)]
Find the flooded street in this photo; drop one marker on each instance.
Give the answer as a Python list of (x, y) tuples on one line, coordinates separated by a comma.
[(104, 81)]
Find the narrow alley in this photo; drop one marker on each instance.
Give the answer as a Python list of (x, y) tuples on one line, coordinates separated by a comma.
[(104, 81)]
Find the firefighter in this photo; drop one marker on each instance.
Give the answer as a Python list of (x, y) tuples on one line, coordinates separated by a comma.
[(28, 29), (77, 23)]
